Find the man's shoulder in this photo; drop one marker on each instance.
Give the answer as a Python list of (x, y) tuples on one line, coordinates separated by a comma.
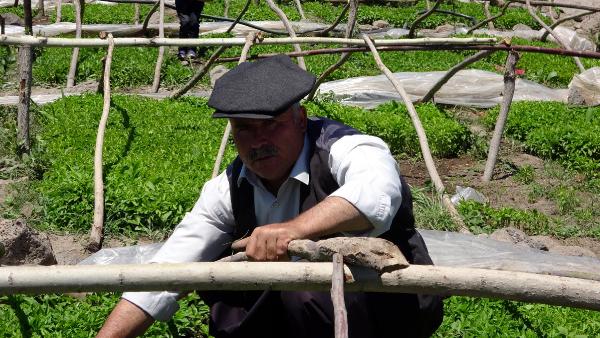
[(324, 132)]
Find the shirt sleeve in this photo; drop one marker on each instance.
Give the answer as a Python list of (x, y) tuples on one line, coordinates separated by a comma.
[(202, 235), (369, 178)]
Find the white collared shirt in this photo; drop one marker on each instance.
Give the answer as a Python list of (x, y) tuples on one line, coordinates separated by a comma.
[(362, 165)]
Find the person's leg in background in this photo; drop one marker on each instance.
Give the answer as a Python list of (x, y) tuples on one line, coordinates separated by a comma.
[(188, 12)]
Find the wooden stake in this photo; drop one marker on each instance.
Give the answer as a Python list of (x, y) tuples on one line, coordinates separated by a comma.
[(438, 85), (336, 22), (353, 5), (413, 27), (161, 49), (58, 10), (488, 15), (136, 14), (289, 29), (337, 297), (79, 6), (556, 37), (147, 19), (424, 279), (300, 10), (435, 177), (509, 91), (25, 65), (41, 9), (490, 19), (96, 234), (28, 17)]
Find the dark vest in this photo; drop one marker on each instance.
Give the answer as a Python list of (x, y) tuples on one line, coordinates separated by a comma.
[(422, 313), (322, 133)]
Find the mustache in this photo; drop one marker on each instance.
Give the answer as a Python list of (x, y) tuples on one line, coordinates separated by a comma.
[(262, 152)]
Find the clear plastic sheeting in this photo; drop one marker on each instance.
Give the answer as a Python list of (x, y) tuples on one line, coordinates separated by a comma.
[(446, 249), (572, 39), (471, 87), (469, 251), (584, 89), (136, 254)]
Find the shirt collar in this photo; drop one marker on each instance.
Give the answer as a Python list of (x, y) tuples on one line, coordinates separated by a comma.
[(299, 171)]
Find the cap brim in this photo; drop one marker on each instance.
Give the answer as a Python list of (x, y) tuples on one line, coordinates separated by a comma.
[(219, 114)]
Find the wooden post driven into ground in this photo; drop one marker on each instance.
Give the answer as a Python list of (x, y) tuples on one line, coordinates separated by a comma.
[(161, 49), (25, 69), (79, 8), (430, 164), (96, 234), (58, 10), (509, 91), (289, 29)]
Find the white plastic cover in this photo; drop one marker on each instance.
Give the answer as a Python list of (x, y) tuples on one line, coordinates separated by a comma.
[(471, 87), (445, 248), (585, 88)]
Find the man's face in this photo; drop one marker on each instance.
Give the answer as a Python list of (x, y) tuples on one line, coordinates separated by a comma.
[(270, 147)]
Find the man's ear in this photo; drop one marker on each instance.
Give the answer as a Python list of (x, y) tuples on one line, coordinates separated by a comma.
[(303, 118)]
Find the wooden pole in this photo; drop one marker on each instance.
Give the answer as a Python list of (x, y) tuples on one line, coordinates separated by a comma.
[(147, 19), (336, 22), (425, 279), (490, 19), (412, 112), (79, 5), (561, 20), (556, 37), (136, 14), (25, 66), (156, 42), (340, 314), (223, 146), (450, 73), (25, 78), (58, 10), (413, 27), (509, 91), (488, 15), (518, 48), (353, 5), (300, 10), (289, 29), (41, 8), (96, 234), (161, 49), (560, 5)]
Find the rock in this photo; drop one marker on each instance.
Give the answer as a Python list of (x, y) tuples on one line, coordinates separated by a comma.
[(366, 28), (12, 19), (24, 245), (216, 72), (568, 250), (27, 209), (518, 238), (521, 27), (547, 241), (381, 24)]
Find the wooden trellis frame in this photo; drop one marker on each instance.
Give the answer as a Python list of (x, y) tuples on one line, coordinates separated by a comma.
[(350, 45)]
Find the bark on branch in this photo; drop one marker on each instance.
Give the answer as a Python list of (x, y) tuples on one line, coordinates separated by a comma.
[(438, 85), (509, 91), (96, 234), (413, 27), (435, 177), (520, 286), (161, 49), (337, 298)]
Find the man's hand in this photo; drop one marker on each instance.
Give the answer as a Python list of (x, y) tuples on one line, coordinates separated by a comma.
[(268, 242)]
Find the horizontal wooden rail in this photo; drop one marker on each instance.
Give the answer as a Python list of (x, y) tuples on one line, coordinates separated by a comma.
[(510, 285), (157, 42)]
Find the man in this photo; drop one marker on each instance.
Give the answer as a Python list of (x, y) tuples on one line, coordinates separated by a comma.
[(188, 12), (294, 178)]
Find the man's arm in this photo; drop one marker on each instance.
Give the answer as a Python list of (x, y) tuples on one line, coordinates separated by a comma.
[(366, 202), (126, 320), (332, 215)]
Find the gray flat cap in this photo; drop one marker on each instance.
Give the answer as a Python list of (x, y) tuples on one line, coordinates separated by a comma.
[(261, 89)]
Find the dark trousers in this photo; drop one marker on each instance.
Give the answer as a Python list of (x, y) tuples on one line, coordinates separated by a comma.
[(188, 12), (303, 314)]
